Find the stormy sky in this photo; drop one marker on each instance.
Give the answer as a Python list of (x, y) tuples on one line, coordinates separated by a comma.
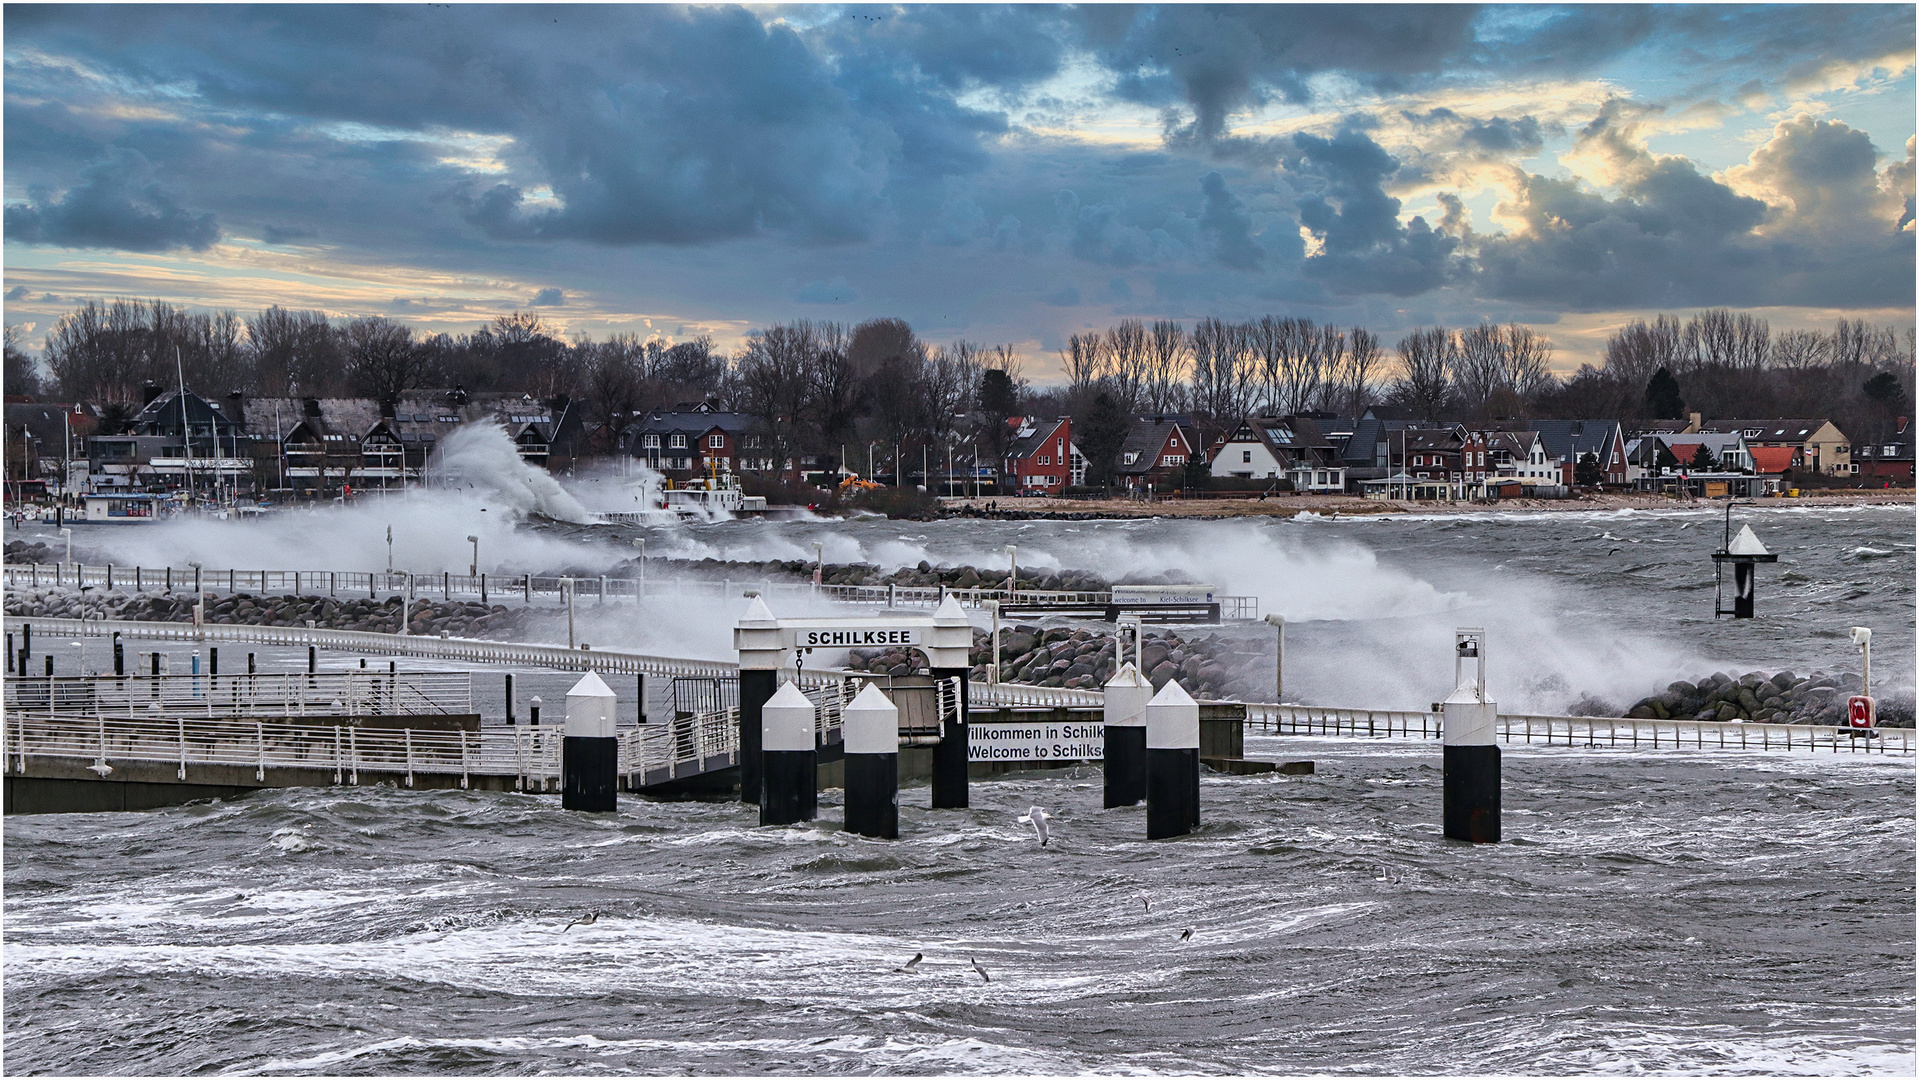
[(1005, 174)]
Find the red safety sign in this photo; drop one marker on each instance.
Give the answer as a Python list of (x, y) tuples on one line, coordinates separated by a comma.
[(1859, 711)]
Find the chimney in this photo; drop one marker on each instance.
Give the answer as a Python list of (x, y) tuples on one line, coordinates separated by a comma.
[(148, 392), (237, 408), (1692, 419), (312, 406), (386, 409)]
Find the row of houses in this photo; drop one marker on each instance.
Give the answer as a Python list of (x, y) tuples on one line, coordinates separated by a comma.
[(323, 447), (1388, 451)]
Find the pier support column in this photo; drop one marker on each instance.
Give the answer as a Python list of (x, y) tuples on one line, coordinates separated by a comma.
[(1127, 695), (789, 758), (762, 649), (949, 649), (1172, 763), (1469, 731), (872, 732), (590, 757)]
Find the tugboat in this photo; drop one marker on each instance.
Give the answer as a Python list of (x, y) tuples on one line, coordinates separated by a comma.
[(707, 499)]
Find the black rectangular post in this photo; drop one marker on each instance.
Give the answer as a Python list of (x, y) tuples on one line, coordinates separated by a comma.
[(949, 756), (756, 689), (873, 795), (1469, 795), (590, 774), (1172, 792)]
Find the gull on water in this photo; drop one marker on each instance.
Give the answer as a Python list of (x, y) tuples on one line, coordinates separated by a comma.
[(1037, 818), (588, 919), (984, 977)]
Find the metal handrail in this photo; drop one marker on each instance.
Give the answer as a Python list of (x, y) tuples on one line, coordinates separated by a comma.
[(359, 693), (524, 587)]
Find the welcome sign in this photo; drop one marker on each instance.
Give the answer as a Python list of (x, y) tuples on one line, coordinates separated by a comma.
[(1071, 740)]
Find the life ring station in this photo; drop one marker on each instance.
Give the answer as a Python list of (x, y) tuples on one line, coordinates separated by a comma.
[(768, 645)]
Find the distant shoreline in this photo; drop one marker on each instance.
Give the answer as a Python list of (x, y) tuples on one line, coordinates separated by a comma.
[(1355, 506)]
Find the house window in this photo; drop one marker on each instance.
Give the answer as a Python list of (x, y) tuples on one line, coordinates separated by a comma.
[(677, 442), (1173, 459), (650, 442), (716, 441), (1245, 457), (1131, 457), (1419, 459)]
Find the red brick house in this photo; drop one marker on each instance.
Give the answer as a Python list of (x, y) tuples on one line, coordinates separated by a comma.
[(1042, 459)]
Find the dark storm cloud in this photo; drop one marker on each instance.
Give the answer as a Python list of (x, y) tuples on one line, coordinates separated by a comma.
[(880, 137), (117, 203), (1219, 59), (1346, 206), (1227, 227)]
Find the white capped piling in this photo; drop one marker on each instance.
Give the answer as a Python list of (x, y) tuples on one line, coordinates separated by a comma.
[(789, 758), (949, 646), (1469, 731), (872, 731), (1127, 695), (1172, 763), (590, 756), (762, 648)]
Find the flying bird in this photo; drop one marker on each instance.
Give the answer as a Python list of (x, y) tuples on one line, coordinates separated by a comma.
[(1615, 551), (913, 963), (1144, 900), (588, 919), (984, 977), (1037, 818), (1187, 934)]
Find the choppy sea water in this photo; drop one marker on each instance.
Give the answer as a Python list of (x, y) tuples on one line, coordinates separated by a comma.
[(1669, 911)]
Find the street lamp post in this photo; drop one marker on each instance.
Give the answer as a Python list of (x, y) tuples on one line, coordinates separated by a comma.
[(474, 570), (1012, 575), (68, 534), (389, 549), (819, 565), (641, 544)]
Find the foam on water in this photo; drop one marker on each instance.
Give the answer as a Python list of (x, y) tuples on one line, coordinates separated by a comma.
[(1670, 911)]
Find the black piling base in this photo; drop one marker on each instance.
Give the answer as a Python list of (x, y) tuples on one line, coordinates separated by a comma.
[(949, 754), (1471, 794), (1125, 766), (1172, 792), (788, 786), (756, 689), (589, 770), (873, 795)]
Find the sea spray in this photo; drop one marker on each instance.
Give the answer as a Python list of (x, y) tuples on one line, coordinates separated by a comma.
[(482, 459)]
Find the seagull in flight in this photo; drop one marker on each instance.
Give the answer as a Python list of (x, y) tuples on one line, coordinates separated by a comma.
[(913, 963), (1146, 901), (1187, 935), (984, 977), (1037, 818), (588, 919)]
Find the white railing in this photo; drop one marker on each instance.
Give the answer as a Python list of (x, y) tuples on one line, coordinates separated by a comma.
[(360, 693), (681, 746), (525, 587), (1584, 731)]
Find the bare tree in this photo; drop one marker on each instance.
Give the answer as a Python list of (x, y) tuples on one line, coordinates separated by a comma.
[(1347, 389), (1084, 359), (1126, 363), (1425, 375), (1166, 356), (382, 360)]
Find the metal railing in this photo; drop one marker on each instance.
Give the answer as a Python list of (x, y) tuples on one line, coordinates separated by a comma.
[(531, 754), (492, 588), (1582, 731), (360, 693)]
